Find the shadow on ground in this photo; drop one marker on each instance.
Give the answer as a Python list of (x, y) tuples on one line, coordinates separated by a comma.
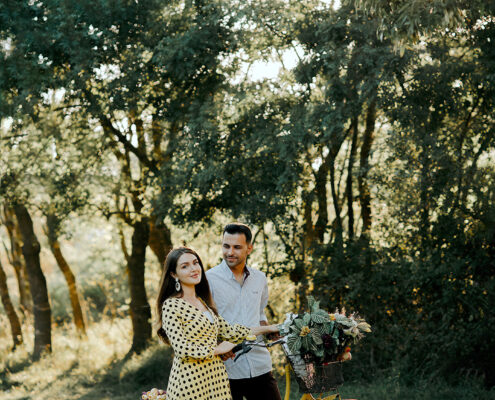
[(129, 377)]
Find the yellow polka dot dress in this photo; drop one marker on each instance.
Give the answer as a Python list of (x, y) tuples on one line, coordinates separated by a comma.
[(196, 373)]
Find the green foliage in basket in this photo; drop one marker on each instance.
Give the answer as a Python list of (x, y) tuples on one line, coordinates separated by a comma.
[(321, 335)]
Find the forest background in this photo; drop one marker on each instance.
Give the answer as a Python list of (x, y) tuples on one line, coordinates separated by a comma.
[(366, 170)]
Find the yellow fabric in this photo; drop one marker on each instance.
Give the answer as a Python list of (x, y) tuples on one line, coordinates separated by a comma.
[(196, 373), (308, 396)]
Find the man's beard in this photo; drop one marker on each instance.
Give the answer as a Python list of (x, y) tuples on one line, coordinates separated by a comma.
[(233, 263)]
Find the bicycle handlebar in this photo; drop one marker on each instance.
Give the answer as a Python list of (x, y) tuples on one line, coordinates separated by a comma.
[(247, 345)]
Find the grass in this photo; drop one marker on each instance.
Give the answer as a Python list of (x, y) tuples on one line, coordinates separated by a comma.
[(84, 369), (96, 369), (390, 390)]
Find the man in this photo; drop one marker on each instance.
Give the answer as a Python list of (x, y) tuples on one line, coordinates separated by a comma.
[(241, 295)]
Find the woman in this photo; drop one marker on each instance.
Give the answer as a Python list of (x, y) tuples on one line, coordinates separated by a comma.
[(190, 323)]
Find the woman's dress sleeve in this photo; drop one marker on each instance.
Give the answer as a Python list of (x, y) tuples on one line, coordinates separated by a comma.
[(232, 333), (183, 347)]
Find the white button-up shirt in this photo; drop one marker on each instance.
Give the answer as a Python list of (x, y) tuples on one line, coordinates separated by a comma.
[(242, 304)]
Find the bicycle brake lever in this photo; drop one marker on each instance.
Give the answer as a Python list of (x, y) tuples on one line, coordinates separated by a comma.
[(237, 348), (240, 354), (244, 347)]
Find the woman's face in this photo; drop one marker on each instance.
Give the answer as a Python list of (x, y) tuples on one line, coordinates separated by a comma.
[(188, 270)]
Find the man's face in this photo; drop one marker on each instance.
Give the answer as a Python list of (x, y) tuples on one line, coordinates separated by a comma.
[(235, 249)]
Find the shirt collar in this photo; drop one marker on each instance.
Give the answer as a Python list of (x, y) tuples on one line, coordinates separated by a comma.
[(229, 271)]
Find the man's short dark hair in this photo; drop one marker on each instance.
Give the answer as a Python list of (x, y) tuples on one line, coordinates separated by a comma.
[(237, 227)]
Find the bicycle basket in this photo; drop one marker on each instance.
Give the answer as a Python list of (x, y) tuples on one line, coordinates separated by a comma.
[(313, 378)]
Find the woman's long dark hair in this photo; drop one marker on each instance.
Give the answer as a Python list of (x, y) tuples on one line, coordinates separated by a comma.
[(167, 286)]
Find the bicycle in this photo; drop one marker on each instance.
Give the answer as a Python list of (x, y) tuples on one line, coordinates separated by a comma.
[(312, 379)]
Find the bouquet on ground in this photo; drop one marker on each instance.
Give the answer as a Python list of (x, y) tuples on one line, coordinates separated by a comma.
[(154, 394), (323, 337)]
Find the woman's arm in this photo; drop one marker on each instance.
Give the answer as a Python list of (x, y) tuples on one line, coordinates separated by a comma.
[(223, 348), (237, 333)]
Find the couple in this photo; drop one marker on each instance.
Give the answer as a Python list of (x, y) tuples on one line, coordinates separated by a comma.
[(191, 312)]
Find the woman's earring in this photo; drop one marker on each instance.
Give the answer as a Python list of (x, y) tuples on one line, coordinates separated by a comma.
[(177, 284)]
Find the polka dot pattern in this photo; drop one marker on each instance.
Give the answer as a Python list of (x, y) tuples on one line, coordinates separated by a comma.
[(196, 373)]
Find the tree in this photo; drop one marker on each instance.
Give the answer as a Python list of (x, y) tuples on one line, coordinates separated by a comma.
[(17, 163), (37, 282), (52, 223), (289, 145), (15, 325), (14, 253), (405, 21), (287, 156), (445, 106), (143, 73)]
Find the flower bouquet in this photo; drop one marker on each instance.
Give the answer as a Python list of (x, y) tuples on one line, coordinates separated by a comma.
[(317, 342), (154, 394)]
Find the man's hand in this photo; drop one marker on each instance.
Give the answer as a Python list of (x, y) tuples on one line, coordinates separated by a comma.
[(273, 335)]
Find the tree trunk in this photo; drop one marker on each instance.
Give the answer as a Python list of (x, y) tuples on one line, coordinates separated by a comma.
[(123, 246), (140, 309), (160, 241), (71, 283), (309, 234), (424, 206), (339, 230), (321, 195), (349, 191), (16, 259), (37, 283), (364, 191), (330, 162), (15, 325)]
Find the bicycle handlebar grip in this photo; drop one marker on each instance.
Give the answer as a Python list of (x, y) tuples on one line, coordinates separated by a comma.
[(237, 348)]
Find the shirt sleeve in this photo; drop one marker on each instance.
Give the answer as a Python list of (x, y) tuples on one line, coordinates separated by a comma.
[(232, 333), (211, 283), (183, 347), (264, 302)]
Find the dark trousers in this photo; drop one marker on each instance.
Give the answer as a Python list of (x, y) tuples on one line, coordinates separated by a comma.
[(263, 387)]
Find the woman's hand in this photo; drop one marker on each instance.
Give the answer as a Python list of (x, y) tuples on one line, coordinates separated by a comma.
[(223, 348)]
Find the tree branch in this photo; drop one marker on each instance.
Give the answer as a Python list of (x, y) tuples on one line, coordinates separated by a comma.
[(142, 157)]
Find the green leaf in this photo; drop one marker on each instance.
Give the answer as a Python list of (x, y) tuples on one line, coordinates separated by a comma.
[(295, 329), (320, 317), (306, 342), (294, 343), (315, 307), (306, 319), (311, 302), (299, 323), (316, 336), (320, 353), (326, 328), (320, 328)]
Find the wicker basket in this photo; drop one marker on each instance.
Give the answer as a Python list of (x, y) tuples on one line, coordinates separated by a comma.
[(313, 378)]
